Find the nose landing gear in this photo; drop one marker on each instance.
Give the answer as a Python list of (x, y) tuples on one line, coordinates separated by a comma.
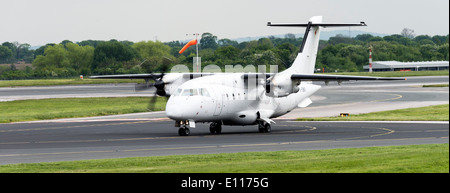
[(184, 130)]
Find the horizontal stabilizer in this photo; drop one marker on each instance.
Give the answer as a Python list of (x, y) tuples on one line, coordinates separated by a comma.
[(316, 24), (305, 102)]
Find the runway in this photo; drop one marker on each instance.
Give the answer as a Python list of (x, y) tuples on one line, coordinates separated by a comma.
[(152, 134), (61, 141), (124, 90)]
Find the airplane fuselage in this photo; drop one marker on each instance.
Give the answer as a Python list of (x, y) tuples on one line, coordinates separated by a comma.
[(231, 100)]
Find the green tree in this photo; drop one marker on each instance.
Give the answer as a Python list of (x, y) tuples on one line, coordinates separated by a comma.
[(227, 42), (65, 42), (287, 53), (80, 57), (340, 39), (13, 47), (264, 44), (5, 54), (444, 51), (363, 37), (40, 50), (110, 56), (54, 62), (93, 43), (54, 57), (439, 40), (227, 52), (208, 40), (429, 52), (422, 37), (156, 55)]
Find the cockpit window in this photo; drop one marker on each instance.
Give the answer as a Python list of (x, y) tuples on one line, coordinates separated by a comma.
[(192, 92), (178, 92), (189, 92), (204, 92)]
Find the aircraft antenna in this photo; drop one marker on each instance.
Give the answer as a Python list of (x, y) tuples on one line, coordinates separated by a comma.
[(370, 59)]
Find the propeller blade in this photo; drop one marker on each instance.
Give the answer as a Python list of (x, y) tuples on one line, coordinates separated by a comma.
[(151, 105), (142, 86)]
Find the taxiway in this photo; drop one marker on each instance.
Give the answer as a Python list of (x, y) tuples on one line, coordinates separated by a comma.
[(152, 134)]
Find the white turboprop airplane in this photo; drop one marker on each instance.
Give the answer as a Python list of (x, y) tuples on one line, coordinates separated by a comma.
[(244, 98)]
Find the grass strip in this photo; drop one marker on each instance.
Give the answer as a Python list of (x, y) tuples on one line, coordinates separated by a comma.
[(430, 113), (436, 85), (69, 81), (433, 158), (44, 109)]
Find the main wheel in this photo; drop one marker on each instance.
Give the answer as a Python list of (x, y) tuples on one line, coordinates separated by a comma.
[(267, 128), (261, 129), (215, 128)]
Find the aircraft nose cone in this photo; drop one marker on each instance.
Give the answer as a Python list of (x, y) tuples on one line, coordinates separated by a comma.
[(173, 110)]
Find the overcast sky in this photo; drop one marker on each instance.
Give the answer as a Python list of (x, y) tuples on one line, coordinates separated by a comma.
[(38, 22)]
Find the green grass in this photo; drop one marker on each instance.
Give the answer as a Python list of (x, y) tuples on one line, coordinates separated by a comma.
[(72, 81), (432, 158), (43, 109), (431, 113), (436, 85), (396, 73)]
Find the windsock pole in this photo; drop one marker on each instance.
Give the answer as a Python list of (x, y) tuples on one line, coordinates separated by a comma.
[(196, 46), (190, 43)]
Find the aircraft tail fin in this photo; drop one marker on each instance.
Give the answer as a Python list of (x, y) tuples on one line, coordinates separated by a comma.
[(306, 59)]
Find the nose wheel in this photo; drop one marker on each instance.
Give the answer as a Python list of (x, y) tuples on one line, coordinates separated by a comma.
[(184, 131)]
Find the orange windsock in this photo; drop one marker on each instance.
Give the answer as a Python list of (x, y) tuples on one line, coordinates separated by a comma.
[(191, 43)]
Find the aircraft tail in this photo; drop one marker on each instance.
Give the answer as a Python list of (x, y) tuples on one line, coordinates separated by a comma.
[(306, 58), (305, 61)]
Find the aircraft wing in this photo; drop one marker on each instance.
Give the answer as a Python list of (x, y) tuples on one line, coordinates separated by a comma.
[(308, 77), (320, 77), (128, 76), (150, 76)]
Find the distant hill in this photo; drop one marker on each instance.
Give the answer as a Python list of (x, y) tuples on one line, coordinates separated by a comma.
[(324, 35)]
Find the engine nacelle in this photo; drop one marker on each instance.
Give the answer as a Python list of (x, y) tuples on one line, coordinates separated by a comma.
[(246, 117), (281, 86), (172, 81)]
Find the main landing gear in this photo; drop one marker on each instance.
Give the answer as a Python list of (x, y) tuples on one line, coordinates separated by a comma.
[(264, 127), (215, 128)]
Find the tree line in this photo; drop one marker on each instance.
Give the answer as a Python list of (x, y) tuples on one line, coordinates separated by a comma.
[(89, 57)]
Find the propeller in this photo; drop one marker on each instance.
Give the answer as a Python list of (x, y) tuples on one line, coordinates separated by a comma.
[(158, 83)]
